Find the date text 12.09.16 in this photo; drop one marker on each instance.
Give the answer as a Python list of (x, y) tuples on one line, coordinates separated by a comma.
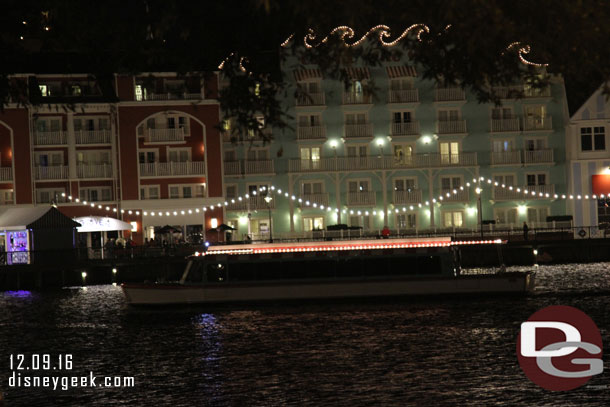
[(37, 361)]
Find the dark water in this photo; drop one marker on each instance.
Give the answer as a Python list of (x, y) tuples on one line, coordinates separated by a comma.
[(431, 352)]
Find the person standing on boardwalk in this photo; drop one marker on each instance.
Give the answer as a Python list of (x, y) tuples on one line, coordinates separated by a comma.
[(525, 230), (385, 232)]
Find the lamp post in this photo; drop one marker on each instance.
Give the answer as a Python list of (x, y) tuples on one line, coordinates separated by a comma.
[(268, 199)]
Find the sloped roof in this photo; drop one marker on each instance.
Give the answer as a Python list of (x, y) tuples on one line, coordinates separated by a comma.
[(38, 217)]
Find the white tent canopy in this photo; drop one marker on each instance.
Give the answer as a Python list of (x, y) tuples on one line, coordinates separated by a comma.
[(100, 224)]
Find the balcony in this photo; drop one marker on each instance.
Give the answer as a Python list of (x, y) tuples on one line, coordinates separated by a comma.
[(404, 96), (451, 127), (531, 92), (449, 95), (411, 196), (165, 135), (405, 129), (311, 99), (252, 203), (259, 167), (455, 195), (351, 98), (538, 156), (149, 96), (508, 92), (505, 125), (446, 160), (533, 192), (363, 163), (172, 169), (506, 157), (92, 136), (358, 131), (322, 164), (361, 198), (50, 138), (538, 123), (51, 172), (6, 174), (319, 198), (94, 171), (311, 133), (232, 168)]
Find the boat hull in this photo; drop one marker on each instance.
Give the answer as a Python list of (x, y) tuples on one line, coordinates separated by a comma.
[(151, 294)]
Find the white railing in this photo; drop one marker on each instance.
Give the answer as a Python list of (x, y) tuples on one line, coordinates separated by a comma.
[(310, 99), (508, 92), (92, 136), (404, 96), (530, 92), (52, 172), (164, 135), (323, 164), (358, 130), (451, 126), (445, 160), (251, 203), (363, 163), (361, 198), (455, 195), (311, 132), (47, 138), (351, 98), (407, 197), (172, 169), (232, 168), (319, 198), (405, 129), (6, 174), (533, 192), (94, 171), (259, 167), (501, 125), (538, 156), (505, 157), (533, 123), (449, 94)]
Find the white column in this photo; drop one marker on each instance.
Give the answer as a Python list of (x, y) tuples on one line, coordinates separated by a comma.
[(71, 138)]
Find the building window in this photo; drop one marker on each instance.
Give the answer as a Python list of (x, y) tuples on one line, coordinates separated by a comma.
[(592, 138), (6, 197), (403, 153), (506, 216), (450, 183), (186, 191), (310, 120), (536, 217), (402, 117), (231, 191), (453, 219), (499, 113), (603, 211), (179, 155), (149, 192), (448, 115), (406, 221), (48, 195), (450, 152), (360, 220), (147, 157), (535, 179), (355, 118), (310, 158), (96, 194), (404, 184), (313, 223), (505, 179), (310, 188)]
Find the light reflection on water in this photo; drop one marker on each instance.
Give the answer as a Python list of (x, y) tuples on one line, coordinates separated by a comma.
[(458, 351)]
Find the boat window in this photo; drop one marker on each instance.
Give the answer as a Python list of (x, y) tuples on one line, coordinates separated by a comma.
[(216, 273)]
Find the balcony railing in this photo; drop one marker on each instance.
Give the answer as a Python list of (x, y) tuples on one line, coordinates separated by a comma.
[(171, 96), (359, 130), (530, 92), (319, 199), (455, 195), (165, 135), (361, 198), (251, 203), (92, 136), (94, 171), (383, 162), (405, 129), (52, 172), (311, 133), (311, 99), (259, 167), (450, 94), (48, 138), (508, 92), (172, 169), (504, 125), (533, 123), (404, 96), (505, 157), (451, 126), (6, 174), (538, 156), (533, 192), (351, 98), (407, 197), (232, 168)]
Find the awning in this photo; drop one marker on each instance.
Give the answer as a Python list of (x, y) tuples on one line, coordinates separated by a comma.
[(403, 71), (307, 74), (100, 224), (601, 184), (357, 74), (37, 217)]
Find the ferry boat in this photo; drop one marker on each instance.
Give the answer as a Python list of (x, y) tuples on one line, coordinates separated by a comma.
[(325, 270)]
